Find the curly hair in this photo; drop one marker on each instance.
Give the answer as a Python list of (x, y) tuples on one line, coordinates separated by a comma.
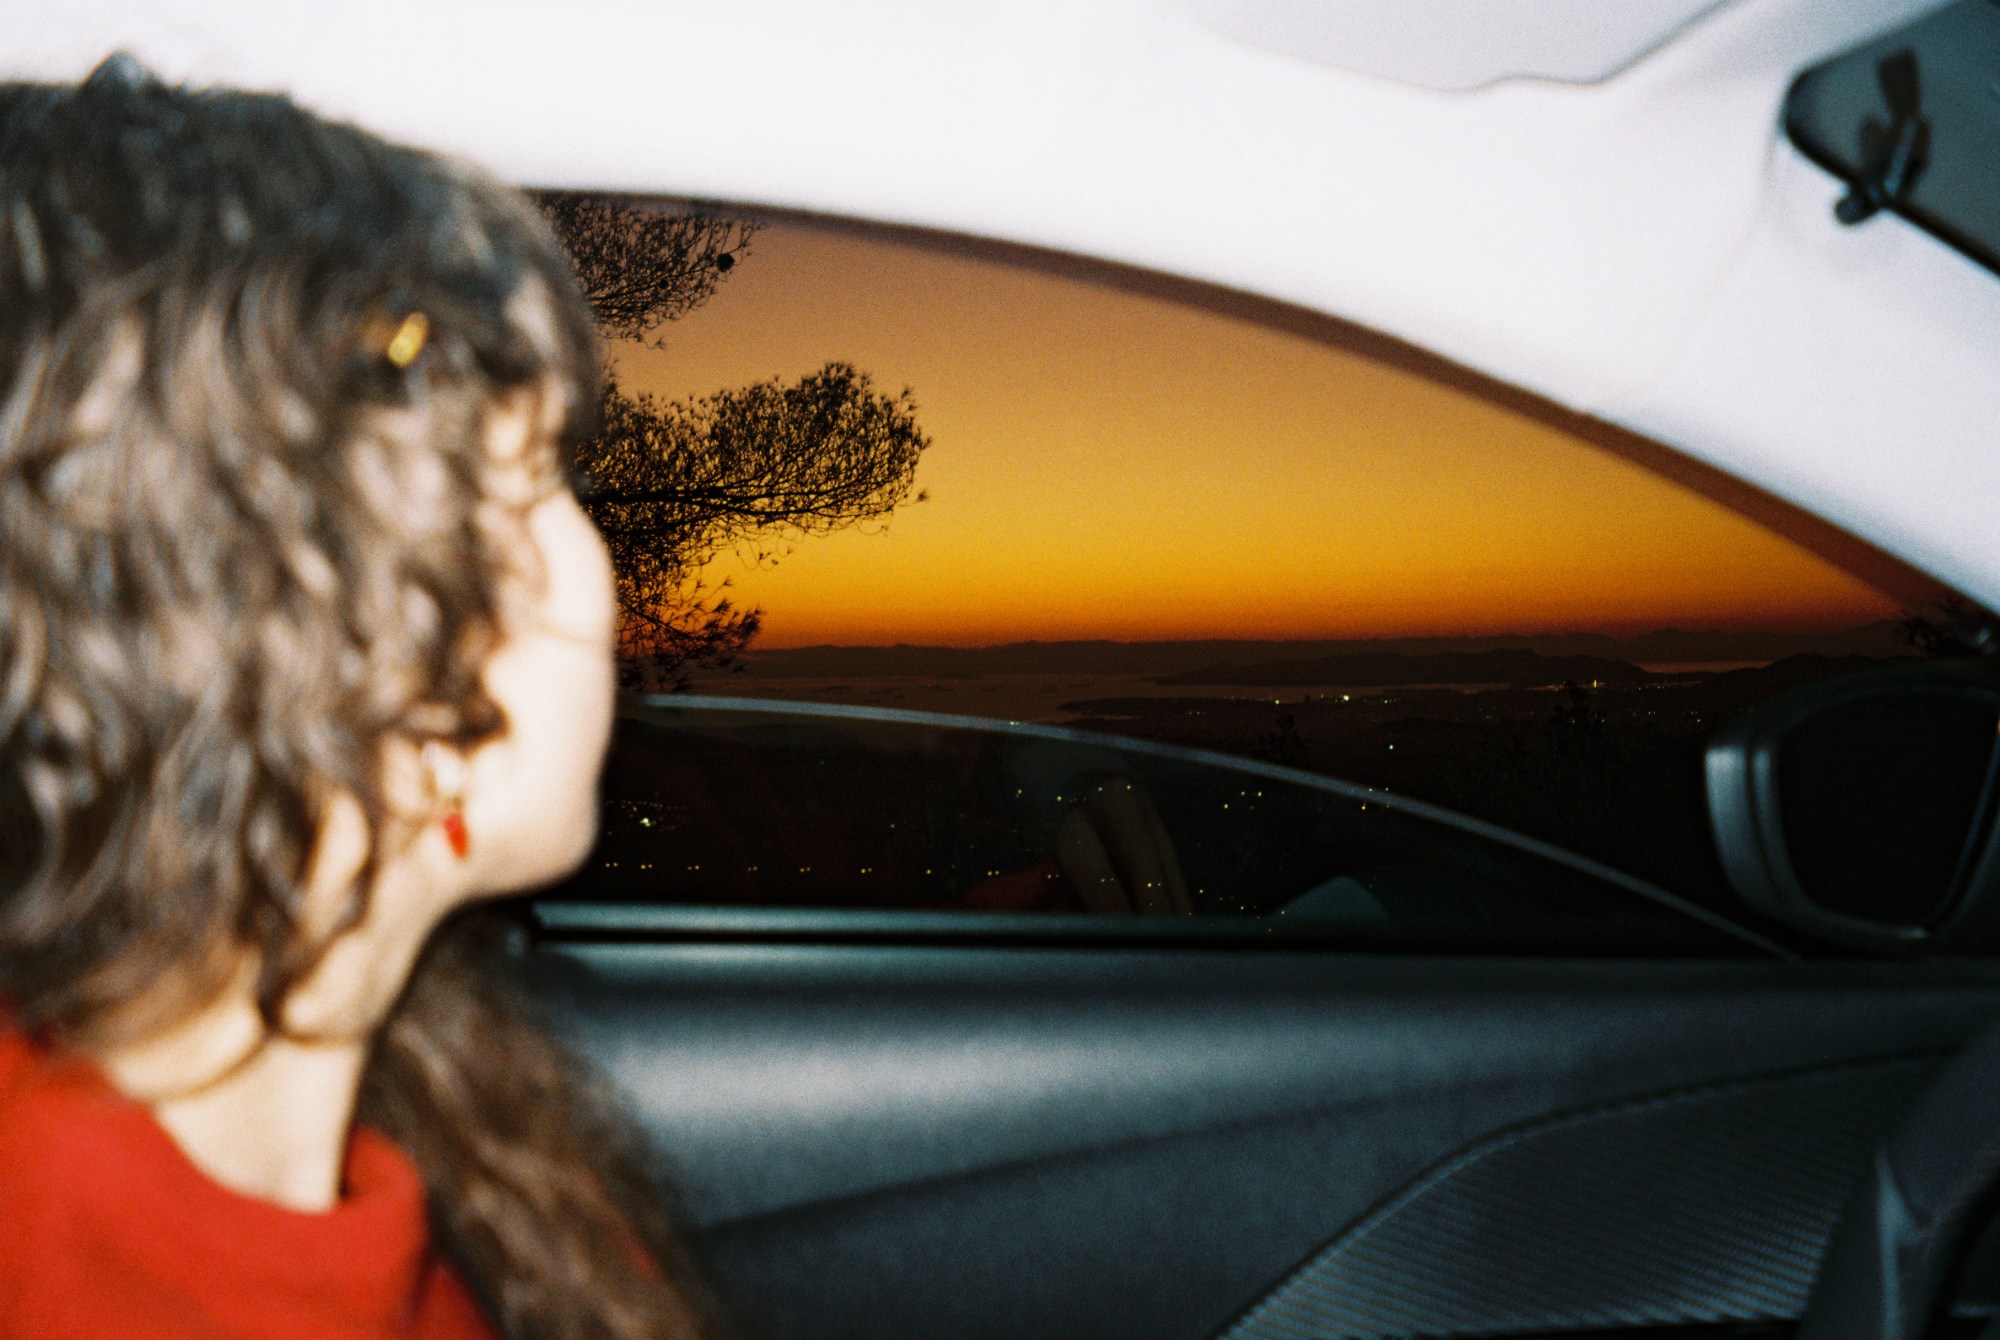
[(243, 543)]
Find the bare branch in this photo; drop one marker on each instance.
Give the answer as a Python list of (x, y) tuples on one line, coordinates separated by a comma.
[(642, 267)]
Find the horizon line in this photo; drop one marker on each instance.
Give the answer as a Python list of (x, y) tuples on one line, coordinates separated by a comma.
[(1763, 630)]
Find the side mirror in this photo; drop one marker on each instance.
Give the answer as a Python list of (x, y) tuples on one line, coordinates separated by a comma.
[(1861, 809)]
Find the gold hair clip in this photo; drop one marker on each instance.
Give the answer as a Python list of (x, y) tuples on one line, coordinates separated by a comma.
[(408, 341)]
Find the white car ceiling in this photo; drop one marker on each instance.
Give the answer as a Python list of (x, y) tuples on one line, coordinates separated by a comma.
[(1644, 247), (1460, 44)]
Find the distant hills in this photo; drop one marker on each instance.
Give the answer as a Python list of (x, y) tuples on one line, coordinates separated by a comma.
[(1514, 667), (1534, 659)]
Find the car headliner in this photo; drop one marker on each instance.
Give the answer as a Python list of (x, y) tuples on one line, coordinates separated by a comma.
[(1645, 248)]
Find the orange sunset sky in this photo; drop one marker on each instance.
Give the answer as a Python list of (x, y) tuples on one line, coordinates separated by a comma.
[(1112, 465)]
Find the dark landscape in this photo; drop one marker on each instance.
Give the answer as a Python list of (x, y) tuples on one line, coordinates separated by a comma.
[(1589, 741)]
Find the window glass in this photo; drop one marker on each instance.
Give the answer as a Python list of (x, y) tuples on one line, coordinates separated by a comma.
[(740, 803), (968, 583)]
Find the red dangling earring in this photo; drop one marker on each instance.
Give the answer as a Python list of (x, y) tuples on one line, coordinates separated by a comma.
[(455, 832), (447, 772)]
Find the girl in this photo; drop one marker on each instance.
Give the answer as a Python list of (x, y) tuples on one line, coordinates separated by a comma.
[(304, 647)]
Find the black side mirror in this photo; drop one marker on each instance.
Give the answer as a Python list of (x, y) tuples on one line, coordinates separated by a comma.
[(1861, 809)]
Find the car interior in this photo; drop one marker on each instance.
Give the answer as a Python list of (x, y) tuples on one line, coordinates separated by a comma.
[(961, 1026), (1309, 1023)]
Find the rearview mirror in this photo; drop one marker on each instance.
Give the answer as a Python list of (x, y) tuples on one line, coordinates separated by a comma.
[(1860, 809)]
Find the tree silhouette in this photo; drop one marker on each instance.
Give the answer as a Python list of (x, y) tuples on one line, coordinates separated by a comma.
[(675, 484), (641, 267), (1575, 722), (1284, 745), (1954, 626)]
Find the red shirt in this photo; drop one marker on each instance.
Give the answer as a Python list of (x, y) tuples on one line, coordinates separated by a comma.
[(106, 1229)]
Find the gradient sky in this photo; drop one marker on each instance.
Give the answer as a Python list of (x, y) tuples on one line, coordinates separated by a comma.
[(1112, 465)]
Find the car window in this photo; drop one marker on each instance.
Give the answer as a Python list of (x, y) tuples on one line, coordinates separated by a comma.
[(735, 803), (960, 580)]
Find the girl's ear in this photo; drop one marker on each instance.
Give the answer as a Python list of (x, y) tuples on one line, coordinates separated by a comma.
[(340, 853), (412, 882)]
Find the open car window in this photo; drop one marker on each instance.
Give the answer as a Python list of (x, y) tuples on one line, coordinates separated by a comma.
[(961, 582), (743, 803)]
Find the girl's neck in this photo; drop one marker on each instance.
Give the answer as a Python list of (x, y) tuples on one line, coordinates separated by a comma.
[(277, 1128), (266, 1116)]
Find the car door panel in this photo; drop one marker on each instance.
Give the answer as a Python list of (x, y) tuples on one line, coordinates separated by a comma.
[(925, 1140)]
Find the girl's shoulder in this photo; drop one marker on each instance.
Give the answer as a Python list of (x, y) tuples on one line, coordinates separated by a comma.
[(19, 1058), (54, 1145), (53, 1115), (107, 1229)]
